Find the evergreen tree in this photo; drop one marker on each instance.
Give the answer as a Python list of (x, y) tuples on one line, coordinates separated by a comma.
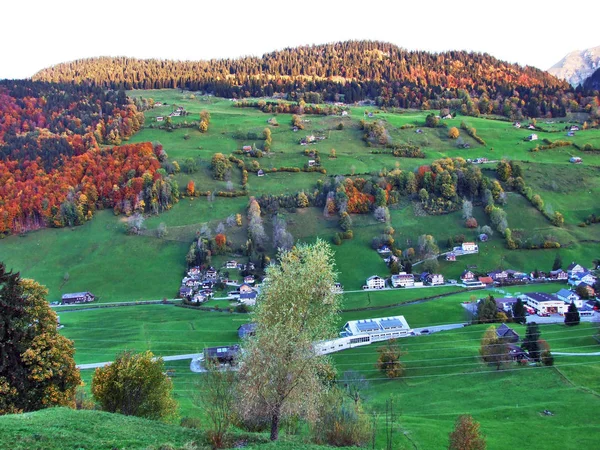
[(572, 316), (557, 262), (519, 312), (531, 341), (487, 310)]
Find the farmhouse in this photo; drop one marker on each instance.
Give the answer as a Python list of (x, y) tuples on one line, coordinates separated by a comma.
[(469, 247), (222, 355), (246, 330), (505, 304), (576, 160), (544, 303), (432, 279), (531, 126), (517, 125), (486, 280), (574, 128), (380, 329), (498, 275), (532, 137), (569, 296), (507, 334), (403, 279), (467, 275), (450, 256), (159, 118), (211, 273), (558, 275), (247, 148), (231, 264), (375, 282), (78, 297), (185, 292), (575, 268)]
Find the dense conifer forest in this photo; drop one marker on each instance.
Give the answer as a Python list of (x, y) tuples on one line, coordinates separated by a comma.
[(350, 71)]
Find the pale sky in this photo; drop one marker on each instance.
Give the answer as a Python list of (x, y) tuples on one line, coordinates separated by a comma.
[(40, 33)]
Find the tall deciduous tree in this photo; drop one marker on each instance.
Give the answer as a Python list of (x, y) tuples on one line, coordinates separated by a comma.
[(37, 369), (466, 435), (279, 368), (493, 351), (388, 361), (135, 385)]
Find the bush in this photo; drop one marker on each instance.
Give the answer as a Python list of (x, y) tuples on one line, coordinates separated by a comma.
[(337, 240), (242, 308)]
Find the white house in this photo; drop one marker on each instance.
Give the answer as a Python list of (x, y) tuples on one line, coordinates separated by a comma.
[(570, 296), (403, 279), (575, 268), (498, 275), (375, 282), (467, 275), (544, 303), (532, 137), (585, 277), (159, 118), (575, 160), (434, 279), (231, 264), (469, 247)]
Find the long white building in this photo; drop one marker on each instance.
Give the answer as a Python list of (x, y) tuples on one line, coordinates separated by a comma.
[(356, 333)]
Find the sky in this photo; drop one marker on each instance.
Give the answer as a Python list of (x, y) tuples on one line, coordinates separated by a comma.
[(40, 33)]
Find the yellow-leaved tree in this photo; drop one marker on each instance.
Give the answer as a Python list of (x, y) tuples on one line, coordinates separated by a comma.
[(37, 369)]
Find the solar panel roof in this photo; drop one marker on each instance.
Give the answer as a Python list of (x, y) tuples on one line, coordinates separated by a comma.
[(367, 326), (391, 323)]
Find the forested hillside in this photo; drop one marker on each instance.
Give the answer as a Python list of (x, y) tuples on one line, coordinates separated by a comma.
[(348, 71), (53, 171)]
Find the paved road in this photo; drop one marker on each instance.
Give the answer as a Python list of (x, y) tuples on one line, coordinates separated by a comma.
[(165, 358)]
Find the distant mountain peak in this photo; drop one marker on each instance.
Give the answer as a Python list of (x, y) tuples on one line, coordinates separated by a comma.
[(578, 65)]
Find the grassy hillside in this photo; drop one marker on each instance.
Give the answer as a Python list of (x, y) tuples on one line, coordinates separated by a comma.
[(62, 428)]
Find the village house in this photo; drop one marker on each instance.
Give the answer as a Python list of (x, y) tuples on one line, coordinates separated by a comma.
[(532, 137), (517, 125), (231, 264), (451, 256), (403, 279), (260, 173), (469, 247), (222, 355), (194, 271), (486, 280), (559, 275), (569, 296), (574, 128), (246, 330), (199, 298), (467, 275), (582, 277), (507, 334), (384, 250), (78, 297), (498, 275), (432, 279), (211, 273), (575, 160), (375, 282), (505, 304), (516, 353), (185, 292), (311, 162), (249, 279), (247, 148), (159, 118), (574, 269)]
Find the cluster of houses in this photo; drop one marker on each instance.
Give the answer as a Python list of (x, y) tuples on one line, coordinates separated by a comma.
[(78, 297), (405, 280), (197, 286), (545, 304)]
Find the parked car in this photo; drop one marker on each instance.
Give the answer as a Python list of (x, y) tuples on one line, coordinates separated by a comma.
[(426, 331)]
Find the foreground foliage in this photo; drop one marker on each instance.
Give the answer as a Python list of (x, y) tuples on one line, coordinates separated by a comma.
[(279, 370), (135, 385), (37, 369)]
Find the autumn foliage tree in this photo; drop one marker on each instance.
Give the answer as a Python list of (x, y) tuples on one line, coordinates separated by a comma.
[(135, 384), (388, 361), (37, 369), (466, 435), (191, 188)]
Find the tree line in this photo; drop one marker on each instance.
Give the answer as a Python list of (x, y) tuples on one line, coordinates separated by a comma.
[(348, 72)]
